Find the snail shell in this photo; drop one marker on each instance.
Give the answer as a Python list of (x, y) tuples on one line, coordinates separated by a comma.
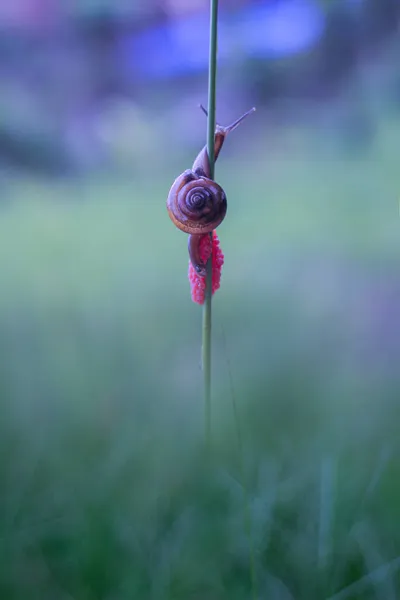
[(196, 204)]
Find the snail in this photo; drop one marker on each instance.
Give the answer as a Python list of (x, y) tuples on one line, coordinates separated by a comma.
[(196, 203)]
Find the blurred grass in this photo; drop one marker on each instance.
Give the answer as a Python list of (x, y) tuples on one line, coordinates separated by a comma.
[(104, 490)]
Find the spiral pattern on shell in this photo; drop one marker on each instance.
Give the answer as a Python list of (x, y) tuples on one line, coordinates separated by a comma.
[(196, 204)]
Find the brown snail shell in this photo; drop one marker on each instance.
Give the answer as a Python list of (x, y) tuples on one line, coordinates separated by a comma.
[(197, 204)]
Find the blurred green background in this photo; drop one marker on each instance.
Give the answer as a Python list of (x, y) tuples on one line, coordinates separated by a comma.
[(105, 491)]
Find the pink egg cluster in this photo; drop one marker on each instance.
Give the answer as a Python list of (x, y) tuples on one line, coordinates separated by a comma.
[(198, 284)]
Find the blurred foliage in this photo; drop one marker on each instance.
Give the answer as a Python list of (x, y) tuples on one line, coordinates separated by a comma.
[(66, 69)]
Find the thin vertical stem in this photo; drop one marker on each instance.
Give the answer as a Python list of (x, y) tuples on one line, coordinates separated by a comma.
[(212, 84), (206, 350), (206, 359)]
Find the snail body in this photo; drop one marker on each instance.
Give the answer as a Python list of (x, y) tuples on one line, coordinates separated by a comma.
[(197, 204)]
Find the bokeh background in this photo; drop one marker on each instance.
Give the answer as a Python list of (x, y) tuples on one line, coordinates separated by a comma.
[(104, 489)]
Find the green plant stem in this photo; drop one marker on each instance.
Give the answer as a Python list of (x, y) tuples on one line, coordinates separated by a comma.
[(206, 348), (206, 359), (212, 84)]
